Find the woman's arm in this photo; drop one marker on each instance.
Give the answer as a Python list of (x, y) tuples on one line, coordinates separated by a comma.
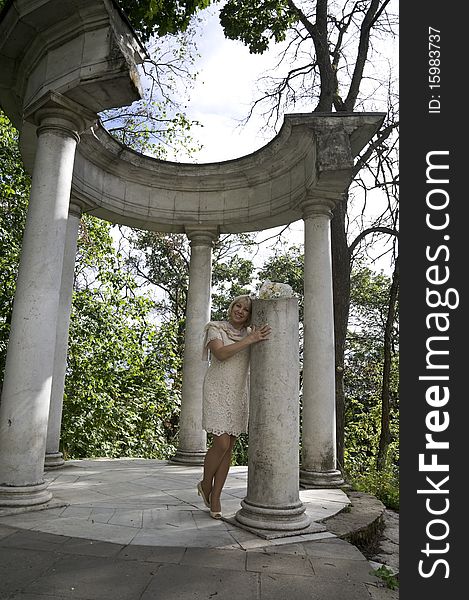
[(222, 352)]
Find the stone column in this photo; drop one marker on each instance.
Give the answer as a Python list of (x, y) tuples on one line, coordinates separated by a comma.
[(192, 438), (24, 408), (54, 457), (319, 456), (272, 501)]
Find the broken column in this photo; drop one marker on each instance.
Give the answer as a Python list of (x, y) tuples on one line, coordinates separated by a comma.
[(272, 501)]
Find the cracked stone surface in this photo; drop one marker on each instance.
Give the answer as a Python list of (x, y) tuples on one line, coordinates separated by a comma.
[(389, 543)]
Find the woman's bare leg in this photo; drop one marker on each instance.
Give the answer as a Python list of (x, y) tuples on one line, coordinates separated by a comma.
[(220, 476), (213, 458)]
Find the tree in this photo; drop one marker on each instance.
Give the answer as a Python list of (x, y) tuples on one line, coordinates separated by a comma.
[(161, 261), (331, 53), (121, 394), (371, 383), (14, 195), (160, 17), (389, 343), (157, 124), (286, 265), (232, 274)]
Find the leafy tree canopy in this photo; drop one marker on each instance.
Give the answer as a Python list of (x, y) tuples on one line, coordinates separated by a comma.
[(255, 23), (14, 194), (160, 17)]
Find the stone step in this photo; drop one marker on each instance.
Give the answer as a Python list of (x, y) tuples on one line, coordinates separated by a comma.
[(361, 523)]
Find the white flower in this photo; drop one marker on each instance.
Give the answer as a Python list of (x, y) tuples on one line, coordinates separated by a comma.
[(271, 289)]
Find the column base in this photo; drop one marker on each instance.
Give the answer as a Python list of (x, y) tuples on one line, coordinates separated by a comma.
[(28, 495), (54, 460), (288, 518), (185, 457), (321, 479)]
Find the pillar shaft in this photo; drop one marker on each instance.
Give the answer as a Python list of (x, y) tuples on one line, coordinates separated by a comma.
[(272, 501), (192, 438), (54, 457), (24, 410), (319, 457)]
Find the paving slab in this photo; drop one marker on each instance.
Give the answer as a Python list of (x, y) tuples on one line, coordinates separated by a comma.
[(202, 583), (332, 548), (38, 541), (94, 577), (155, 540), (35, 596), (272, 563), (233, 560), (155, 554), (86, 547), (380, 593), (20, 567), (295, 587)]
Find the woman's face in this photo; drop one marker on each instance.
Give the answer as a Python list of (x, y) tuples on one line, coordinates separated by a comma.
[(239, 313)]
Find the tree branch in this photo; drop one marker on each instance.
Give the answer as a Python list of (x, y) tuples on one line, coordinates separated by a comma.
[(368, 231)]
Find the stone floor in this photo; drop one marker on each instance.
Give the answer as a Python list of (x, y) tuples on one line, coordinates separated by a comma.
[(137, 530), (135, 501)]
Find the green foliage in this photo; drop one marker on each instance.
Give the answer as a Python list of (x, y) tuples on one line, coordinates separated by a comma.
[(160, 17), (151, 128), (121, 397), (387, 576), (14, 195), (256, 22), (286, 267), (363, 376), (382, 484), (369, 294), (240, 451), (162, 260), (230, 278), (362, 380)]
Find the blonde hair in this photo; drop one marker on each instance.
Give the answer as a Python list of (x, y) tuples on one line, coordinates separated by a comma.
[(244, 298)]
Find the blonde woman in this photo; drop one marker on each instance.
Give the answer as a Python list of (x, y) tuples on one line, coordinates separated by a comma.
[(225, 393)]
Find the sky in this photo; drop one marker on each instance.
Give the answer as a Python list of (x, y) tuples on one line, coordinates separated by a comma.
[(223, 92), (226, 86)]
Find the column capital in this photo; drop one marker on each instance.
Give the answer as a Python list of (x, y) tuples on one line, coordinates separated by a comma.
[(201, 236), (313, 206), (57, 112)]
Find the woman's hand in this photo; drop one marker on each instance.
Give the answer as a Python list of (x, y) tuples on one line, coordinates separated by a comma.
[(222, 352), (260, 334)]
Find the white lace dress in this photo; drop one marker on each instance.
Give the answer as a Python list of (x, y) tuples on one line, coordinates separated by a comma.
[(225, 395)]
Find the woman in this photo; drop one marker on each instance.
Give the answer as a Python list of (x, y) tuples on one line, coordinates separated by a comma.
[(225, 395)]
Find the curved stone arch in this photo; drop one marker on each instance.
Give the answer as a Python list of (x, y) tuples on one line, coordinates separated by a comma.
[(63, 62), (254, 192)]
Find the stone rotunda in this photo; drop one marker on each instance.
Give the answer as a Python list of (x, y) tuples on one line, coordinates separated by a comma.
[(64, 61)]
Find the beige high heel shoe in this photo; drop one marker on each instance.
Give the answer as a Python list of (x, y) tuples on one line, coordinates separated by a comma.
[(200, 491), (215, 514)]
